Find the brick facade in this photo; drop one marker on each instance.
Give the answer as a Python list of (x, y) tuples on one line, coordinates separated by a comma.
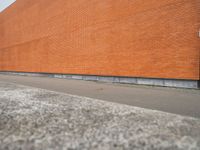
[(135, 38)]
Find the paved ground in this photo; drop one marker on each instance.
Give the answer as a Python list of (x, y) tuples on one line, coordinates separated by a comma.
[(32, 118), (178, 101)]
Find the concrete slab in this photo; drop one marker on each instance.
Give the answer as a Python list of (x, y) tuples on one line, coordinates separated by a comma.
[(77, 77), (67, 76), (128, 80), (90, 78), (116, 80), (32, 118), (159, 82), (181, 83), (105, 79), (58, 76)]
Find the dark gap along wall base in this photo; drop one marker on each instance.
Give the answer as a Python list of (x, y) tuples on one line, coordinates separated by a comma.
[(178, 83)]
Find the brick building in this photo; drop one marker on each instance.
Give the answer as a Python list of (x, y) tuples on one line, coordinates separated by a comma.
[(135, 41)]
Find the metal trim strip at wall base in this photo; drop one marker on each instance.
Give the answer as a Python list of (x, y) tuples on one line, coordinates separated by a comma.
[(178, 83)]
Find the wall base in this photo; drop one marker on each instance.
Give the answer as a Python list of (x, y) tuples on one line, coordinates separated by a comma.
[(179, 83)]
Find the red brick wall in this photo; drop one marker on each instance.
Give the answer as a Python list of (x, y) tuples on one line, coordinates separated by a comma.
[(139, 38)]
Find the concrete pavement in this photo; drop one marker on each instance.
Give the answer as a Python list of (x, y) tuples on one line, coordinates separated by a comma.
[(38, 119), (179, 101)]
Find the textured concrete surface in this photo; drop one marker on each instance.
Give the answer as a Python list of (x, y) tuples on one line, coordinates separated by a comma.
[(178, 101), (32, 118)]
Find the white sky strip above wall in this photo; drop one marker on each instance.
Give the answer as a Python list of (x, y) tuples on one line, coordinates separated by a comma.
[(5, 3)]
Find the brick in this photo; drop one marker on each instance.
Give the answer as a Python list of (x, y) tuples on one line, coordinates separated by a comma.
[(148, 38)]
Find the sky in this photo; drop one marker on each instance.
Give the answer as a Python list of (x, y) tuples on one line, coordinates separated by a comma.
[(5, 3)]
